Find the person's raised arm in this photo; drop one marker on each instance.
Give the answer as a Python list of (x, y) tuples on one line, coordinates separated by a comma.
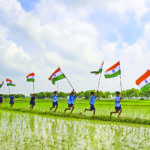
[(97, 93), (121, 98)]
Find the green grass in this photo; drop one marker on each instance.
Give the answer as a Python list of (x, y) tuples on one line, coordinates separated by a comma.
[(134, 111)]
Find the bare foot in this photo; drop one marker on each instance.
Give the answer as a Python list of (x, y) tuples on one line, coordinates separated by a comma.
[(119, 117), (110, 113)]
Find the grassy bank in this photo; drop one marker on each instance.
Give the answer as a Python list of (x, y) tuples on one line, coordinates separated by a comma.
[(133, 110), (82, 116), (134, 102)]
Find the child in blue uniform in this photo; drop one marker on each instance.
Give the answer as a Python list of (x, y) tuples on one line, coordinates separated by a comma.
[(1, 99), (117, 105), (55, 102), (92, 102), (71, 99), (11, 100), (32, 101)]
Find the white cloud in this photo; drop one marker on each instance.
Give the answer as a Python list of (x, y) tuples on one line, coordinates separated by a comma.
[(138, 8), (53, 34), (12, 55)]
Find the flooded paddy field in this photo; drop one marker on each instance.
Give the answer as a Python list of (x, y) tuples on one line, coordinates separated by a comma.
[(22, 131)]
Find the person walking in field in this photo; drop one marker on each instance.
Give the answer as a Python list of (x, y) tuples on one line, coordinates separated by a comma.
[(1, 99), (92, 102), (117, 105), (32, 101), (71, 100), (12, 98), (55, 102)]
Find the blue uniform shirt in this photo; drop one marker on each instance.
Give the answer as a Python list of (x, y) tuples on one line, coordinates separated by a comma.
[(92, 99), (12, 98), (55, 98), (33, 98), (117, 101), (1, 98), (71, 99)]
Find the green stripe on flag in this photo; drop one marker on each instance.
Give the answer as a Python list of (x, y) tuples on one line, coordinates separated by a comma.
[(57, 78), (30, 80), (113, 75), (97, 72), (8, 84), (146, 87)]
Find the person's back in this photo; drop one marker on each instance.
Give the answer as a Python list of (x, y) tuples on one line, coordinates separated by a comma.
[(71, 99), (92, 99), (55, 98), (117, 101), (55, 102), (32, 101), (1, 100), (92, 103), (11, 100), (118, 108), (33, 98)]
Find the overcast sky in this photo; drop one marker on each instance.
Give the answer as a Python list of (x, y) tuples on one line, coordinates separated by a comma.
[(77, 35)]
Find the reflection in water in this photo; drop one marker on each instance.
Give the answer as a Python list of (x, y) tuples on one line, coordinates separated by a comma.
[(31, 122), (26, 131)]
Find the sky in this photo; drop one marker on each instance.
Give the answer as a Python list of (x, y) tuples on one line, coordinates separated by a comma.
[(77, 35)]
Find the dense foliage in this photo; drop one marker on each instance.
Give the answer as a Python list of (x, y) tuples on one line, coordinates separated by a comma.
[(131, 93), (128, 94)]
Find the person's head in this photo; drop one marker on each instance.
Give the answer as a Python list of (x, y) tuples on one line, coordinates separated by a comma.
[(117, 93), (92, 93), (55, 92), (33, 95), (72, 93), (1, 95), (11, 95)]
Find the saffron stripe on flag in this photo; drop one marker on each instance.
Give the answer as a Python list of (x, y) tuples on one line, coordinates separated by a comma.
[(114, 66), (143, 77)]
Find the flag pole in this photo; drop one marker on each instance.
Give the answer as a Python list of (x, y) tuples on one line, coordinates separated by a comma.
[(57, 86), (69, 82), (99, 80), (120, 83), (33, 87), (120, 80), (9, 90)]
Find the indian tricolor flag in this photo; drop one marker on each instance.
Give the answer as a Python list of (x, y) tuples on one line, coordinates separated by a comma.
[(30, 77), (100, 69), (113, 71), (1, 84), (10, 82), (57, 75), (144, 81)]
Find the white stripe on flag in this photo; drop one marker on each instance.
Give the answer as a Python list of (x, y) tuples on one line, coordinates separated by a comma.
[(30, 77), (57, 74), (143, 83), (113, 71)]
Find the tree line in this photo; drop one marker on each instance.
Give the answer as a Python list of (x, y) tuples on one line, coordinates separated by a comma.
[(128, 94)]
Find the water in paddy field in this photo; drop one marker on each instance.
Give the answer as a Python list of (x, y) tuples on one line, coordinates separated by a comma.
[(20, 131)]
